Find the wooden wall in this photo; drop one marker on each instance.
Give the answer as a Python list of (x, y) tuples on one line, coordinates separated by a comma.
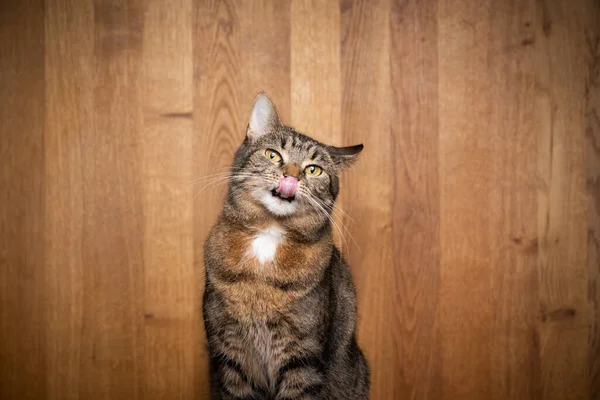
[(475, 206)]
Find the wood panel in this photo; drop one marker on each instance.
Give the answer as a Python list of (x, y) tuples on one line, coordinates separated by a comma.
[(592, 135), (512, 201), (112, 251), (22, 311), (471, 220), (69, 122), (466, 169), (415, 218), (562, 221), (170, 298)]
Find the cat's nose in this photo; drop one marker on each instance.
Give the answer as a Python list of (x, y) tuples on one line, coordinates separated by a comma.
[(286, 174), (292, 170)]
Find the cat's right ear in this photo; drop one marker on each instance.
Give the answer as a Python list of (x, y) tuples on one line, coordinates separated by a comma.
[(263, 118), (345, 156)]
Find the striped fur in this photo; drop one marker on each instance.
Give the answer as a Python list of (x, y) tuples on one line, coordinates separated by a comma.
[(281, 326)]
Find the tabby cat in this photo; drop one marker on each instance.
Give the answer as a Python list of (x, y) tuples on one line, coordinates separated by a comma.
[(279, 304)]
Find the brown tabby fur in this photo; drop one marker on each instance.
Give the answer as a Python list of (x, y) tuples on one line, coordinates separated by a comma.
[(283, 329)]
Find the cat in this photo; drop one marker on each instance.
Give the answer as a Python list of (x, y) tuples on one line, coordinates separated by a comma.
[(279, 304)]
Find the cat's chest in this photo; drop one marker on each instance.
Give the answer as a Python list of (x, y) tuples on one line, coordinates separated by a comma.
[(265, 244), (261, 271)]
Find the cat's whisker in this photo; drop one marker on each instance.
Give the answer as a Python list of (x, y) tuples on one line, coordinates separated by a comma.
[(344, 213), (219, 181), (231, 176), (206, 188), (323, 209), (320, 213), (209, 177), (313, 200), (216, 182), (231, 170), (234, 193), (344, 226), (332, 207), (334, 224), (326, 207), (221, 174)]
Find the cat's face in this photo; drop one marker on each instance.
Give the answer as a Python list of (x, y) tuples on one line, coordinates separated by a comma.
[(284, 171)]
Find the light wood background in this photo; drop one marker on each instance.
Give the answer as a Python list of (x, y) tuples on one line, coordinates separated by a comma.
[(475, 206)]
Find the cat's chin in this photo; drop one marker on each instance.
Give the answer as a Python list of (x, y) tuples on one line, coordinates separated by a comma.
[(278, 206)]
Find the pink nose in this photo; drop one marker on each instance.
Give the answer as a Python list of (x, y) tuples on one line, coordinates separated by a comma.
[(287, 186)]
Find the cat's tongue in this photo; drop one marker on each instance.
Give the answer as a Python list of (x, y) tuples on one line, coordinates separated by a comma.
[(287, 186)]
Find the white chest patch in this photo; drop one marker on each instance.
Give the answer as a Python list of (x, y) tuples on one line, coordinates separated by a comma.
[(264, 246)]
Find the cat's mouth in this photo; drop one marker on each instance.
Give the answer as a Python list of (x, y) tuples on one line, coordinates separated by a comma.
[(279, 196)]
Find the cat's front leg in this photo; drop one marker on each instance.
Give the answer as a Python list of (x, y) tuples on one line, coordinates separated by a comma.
[(301, 378), (232, 383)]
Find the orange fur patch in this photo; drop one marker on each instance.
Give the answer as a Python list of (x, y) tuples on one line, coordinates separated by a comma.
[(259, 292)]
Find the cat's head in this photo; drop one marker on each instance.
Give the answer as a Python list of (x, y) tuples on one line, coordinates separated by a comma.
[(283, 171)]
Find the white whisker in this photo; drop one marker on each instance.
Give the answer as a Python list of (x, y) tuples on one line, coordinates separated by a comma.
[(219, 181), (313, 201), (327, 211), (343, 225), (232, 170)]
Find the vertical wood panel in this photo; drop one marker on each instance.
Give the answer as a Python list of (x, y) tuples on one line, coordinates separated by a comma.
[(264, 50), (112, 235), (512, 200), (22, 333), (416, 203), (240, 48), (365, 118), (170, 296), (592, 134), (562, 202), (69, 118), (466, 156), (315, 69)]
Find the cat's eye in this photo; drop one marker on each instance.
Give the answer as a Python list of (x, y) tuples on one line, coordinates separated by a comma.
[(313, 170), (273, 156)]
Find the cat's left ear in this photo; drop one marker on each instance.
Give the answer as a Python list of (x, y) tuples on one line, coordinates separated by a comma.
[(263, 118), (345, 156)]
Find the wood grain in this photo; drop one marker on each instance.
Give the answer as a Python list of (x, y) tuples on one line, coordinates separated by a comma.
[(112, 251), (315, 67), (466, 229), (562, 204), (512, 201), (474, 205), (69, 119), (22, 306), (170, 298), (416, 203), (592, 135)]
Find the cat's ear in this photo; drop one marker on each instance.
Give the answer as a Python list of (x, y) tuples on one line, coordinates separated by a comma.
[(345, 156), (263, 118)]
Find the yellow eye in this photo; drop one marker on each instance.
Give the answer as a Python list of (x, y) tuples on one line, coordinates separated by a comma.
[(273, 156), (313, 170)]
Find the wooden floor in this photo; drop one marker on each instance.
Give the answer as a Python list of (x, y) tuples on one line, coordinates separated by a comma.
[(475, 206)]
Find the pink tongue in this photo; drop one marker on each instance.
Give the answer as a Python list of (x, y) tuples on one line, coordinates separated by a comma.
[(287, 186)]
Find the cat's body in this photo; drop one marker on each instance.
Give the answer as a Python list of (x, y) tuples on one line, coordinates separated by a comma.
[(279, 303)]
